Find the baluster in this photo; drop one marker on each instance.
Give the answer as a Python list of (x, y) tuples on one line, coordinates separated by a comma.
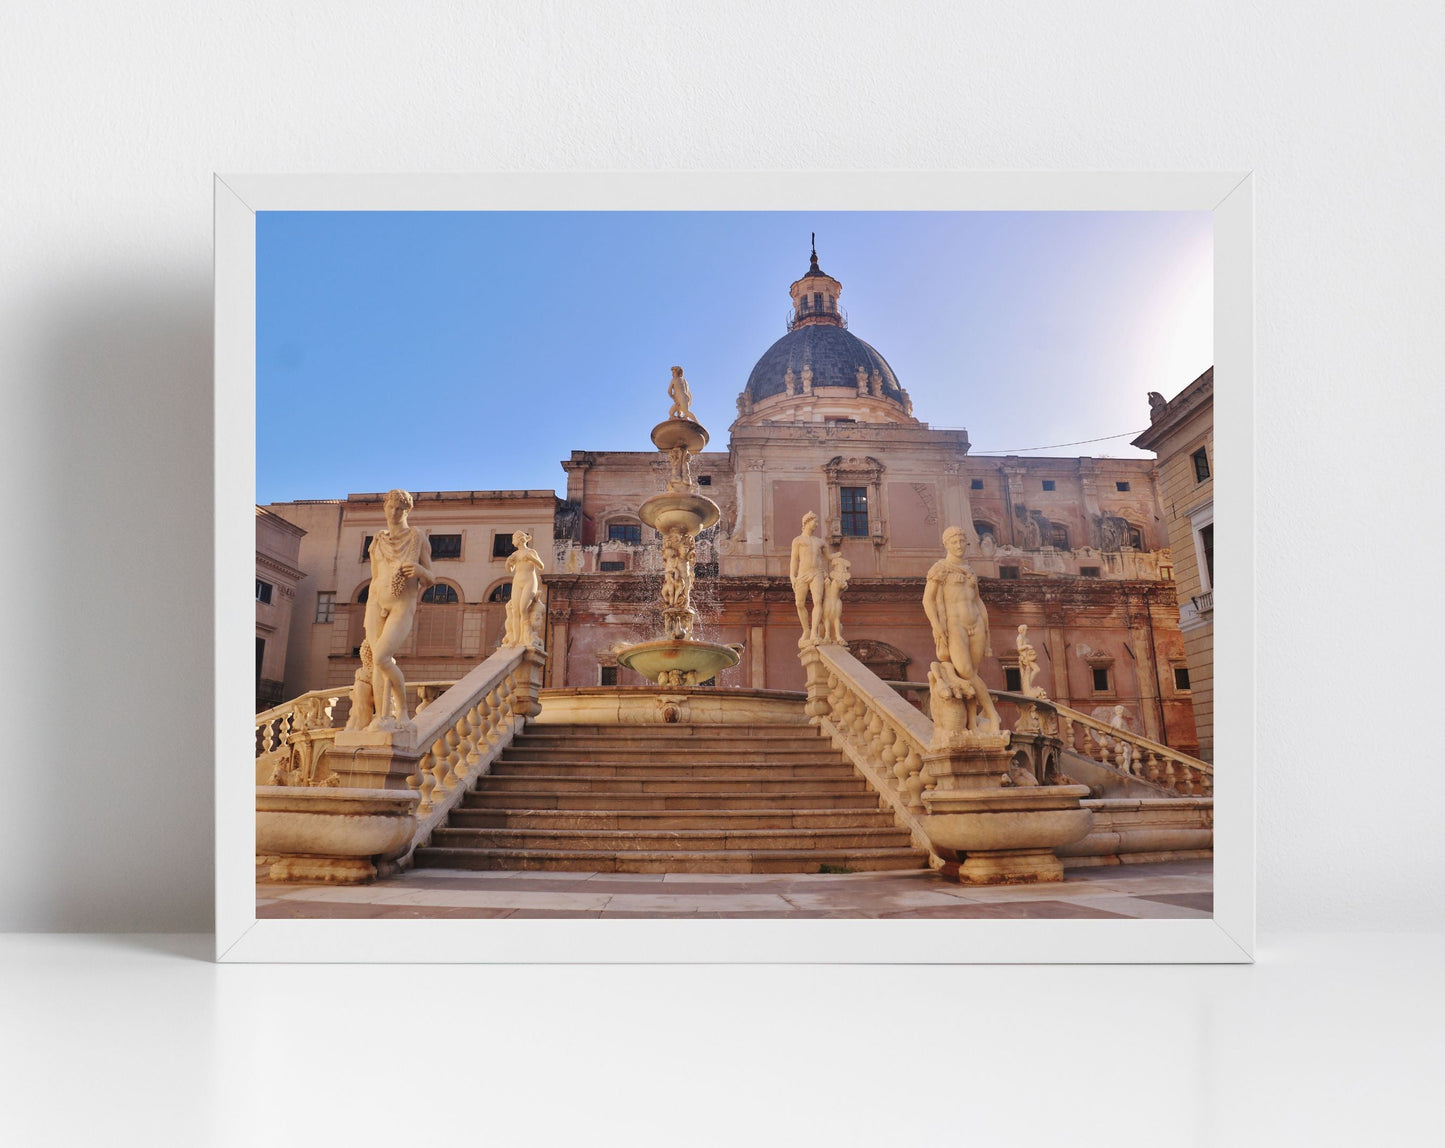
[(440, 767), (871, 735), (888, 747), (424, 783), (1151, 766), (1171, 777), (914, 781)]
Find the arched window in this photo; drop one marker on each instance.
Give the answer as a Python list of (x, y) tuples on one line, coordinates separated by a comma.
[(440, 594), (1058, 536), (502, 593), (363, 594), (982, 528), (1135, 536)]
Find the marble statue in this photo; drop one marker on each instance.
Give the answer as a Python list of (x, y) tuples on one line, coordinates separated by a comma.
[(525, 566), (1028, 665), (362, 710), (1157, 405), (808, 573), (398, 572), (862, 376), (836, 583), (681, 462), (790, 381), (960, 633), (681, 395), (807, 378)]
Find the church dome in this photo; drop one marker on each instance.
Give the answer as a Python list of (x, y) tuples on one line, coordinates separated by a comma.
[(820, 370), (835, 356)]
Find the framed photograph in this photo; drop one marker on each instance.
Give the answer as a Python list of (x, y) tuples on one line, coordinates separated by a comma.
[(811, 567)]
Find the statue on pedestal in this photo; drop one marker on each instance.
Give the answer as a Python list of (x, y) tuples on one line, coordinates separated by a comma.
[(525, 566), (398, 572), (960, 636), (808, 573), (681, 395), (1028, 665)]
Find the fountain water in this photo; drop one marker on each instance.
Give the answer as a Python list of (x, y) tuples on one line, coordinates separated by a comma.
[(679, 514)]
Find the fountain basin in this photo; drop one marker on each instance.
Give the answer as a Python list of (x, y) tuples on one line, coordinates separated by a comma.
[(679, 432), (678, 655), (689, 513)]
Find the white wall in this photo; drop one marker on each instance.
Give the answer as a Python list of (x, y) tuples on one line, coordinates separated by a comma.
[(115, 115)]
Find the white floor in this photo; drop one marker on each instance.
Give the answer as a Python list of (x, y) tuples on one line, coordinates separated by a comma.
[(142, 1040)]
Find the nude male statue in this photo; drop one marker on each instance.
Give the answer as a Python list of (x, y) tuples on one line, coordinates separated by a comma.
[(681, 395), (398, 572), (808, 571), (960, 629)]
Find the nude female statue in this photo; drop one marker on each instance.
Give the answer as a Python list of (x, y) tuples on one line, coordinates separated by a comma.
[(837, 581), (525, 566), (960, 629), (807, 570), (399, 556)]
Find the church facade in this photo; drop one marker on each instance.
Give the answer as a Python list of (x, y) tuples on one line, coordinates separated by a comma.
[(1076, 548)]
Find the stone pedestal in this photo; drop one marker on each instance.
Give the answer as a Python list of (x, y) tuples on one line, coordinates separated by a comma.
[(1004, 834), (331, 835)]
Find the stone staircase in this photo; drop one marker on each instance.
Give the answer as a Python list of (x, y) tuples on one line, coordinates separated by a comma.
[(671, 799)]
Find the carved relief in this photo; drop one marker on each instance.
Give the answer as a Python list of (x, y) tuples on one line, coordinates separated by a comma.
[(929, 498)]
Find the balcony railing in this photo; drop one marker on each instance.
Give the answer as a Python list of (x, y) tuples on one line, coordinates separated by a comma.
[(1204, 603)]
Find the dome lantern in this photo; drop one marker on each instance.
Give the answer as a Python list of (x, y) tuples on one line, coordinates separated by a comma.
[(815, 296)]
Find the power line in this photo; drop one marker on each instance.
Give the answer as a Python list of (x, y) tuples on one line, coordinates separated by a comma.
[(1057, 445)]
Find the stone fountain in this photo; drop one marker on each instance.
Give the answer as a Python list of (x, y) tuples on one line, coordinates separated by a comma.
[(679, 514)]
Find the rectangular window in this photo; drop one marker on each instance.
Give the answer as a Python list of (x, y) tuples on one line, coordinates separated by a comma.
[(853, 503), (1013, 680), (612, 567), (502, 546), (1201, 464), (326, 606), (1059, 537), (817, 300), (1101, 680), (1010, 572), (1122, 487), (1088, 571), (1181, 677), (446, 545), (263, 591), (1049, 484), (975, 484), (704, 480), (625, 532), (366, 548), (606, 675), (1206, 540), (260, 657)]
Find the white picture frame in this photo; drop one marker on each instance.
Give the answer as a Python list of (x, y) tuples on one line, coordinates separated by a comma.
[(1228, 937)]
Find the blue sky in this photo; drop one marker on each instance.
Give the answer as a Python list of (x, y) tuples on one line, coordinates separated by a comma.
[(474, 351)]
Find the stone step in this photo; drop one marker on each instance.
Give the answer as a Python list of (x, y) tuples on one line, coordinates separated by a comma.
[(520, 798), (653, 771), (689, 840), (669, 755), (658, 820), (696, 733), (699, 781), (673, 861)]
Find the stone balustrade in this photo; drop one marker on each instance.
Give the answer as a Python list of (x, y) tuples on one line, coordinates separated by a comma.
[(1121, 749), (329, 795), (466, 728), (884, 736), (291, 738)]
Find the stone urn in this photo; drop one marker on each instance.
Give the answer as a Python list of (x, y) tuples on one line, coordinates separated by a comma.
[(1007, 835), (332, 835)]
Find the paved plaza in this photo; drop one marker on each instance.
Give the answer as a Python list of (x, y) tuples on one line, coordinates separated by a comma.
[(1175, 889)]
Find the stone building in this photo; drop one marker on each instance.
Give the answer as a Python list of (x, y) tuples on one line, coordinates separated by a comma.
[(1077, 548), (1181, 433), (278, 543)]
